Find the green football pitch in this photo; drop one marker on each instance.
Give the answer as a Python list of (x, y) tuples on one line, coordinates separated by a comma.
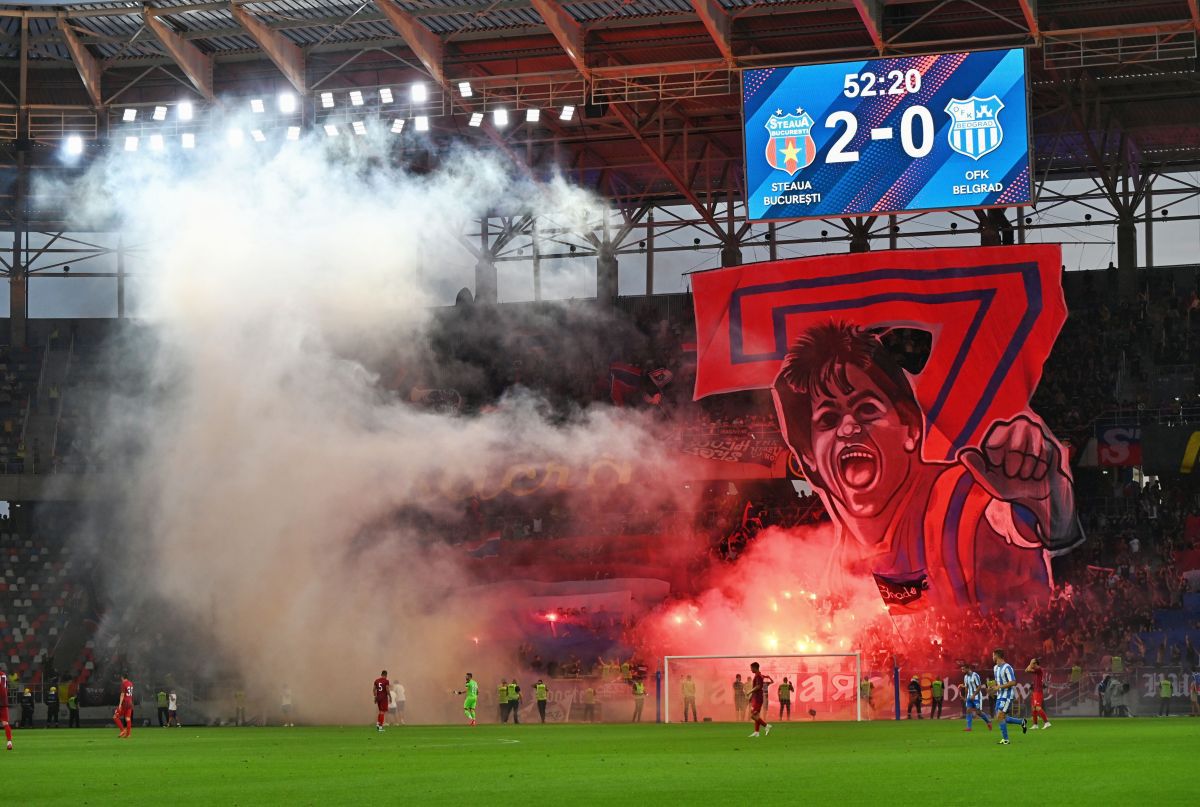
[(1140, 761)]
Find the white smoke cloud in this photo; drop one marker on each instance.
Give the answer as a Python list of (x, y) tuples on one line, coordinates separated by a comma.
[(273, 290)]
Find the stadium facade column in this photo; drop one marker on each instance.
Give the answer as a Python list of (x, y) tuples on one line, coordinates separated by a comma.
[(606, 273), (485, 279), (1148, 217), (537, 260), (994, 227), (731, 254), (18, 278), (120, 276), (731, 248), (859, 230), (1127, 249), (486, 284), (650, 252), (1126, 194)]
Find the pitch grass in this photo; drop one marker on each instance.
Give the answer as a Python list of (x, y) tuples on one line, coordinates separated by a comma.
[(1127, 762)]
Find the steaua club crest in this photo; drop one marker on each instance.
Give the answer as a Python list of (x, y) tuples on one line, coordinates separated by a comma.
[(791, 145), (975, 125)]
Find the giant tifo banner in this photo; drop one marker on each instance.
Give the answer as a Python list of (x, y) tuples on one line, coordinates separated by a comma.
[(887, 135), (944, 485)]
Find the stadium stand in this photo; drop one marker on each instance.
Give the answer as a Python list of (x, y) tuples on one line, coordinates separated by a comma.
[(1143, 543)]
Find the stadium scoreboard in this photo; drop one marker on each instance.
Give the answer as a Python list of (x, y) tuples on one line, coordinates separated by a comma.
[(887, 135)]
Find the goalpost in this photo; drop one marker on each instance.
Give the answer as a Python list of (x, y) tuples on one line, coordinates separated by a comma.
[(825, 683)]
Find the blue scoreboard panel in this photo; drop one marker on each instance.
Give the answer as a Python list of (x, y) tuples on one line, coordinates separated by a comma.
[(887, 135)]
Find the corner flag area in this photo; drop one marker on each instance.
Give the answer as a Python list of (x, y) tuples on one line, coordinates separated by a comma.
[(1077, 761)]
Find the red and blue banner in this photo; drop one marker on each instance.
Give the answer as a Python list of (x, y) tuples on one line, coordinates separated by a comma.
[(994, 312), (943, 484)]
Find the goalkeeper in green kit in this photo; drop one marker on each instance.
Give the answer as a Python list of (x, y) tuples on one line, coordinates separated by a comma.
[(472, 692)]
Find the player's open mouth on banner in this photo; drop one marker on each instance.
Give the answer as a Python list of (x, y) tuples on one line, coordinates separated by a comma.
[(858, 465)]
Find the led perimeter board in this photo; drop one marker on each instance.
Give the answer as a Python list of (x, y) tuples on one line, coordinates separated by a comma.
[(887, 135)]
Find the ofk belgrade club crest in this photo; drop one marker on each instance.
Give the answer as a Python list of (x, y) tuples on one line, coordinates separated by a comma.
[(975, 128), (791, 146)]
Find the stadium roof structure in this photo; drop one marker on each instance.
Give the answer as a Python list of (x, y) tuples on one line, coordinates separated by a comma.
[(652, 88), (654, 82)]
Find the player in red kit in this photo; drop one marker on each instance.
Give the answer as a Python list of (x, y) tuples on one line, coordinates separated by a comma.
[(124, 710), (1038, 697), (4, 709), (758, 696), (380, 689)]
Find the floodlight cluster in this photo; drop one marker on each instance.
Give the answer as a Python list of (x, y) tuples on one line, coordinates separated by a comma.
[(372, 102)]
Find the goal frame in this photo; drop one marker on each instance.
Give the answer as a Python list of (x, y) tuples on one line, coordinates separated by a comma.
[(857, 656)]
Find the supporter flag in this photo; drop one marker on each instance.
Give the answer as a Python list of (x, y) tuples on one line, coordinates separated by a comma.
[(994, 314), (902, 595)]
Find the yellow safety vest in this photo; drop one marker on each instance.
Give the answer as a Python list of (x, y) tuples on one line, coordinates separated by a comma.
[(512, 693), (541, 692), (639, 690), (503, 693)]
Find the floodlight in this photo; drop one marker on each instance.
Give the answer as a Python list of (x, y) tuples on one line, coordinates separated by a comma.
[(500, 117), (73, 145), (235, 137), (131, 143), (567, 113), (258, 136), (188, 140), (476, 119), (420, 93), (359, 127), (331, 129), (293, 133), (184, 110), (327, 100), (160, 113), (385, 95), (129, 115), (356, 98), (156, 142), (422, 123), (465, 90), (533, 115), (257, 105), (287, 103), (398, 126)]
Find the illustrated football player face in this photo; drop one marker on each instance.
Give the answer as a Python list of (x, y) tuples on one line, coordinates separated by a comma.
[(862, 448)]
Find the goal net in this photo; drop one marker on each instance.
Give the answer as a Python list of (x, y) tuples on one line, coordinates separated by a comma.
[(823, 686)]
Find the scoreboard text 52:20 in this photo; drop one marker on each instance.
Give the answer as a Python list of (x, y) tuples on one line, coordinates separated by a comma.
[(887, 135)]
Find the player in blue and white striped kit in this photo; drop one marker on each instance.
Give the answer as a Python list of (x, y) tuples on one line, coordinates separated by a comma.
[(973, 696), (1006, 681)]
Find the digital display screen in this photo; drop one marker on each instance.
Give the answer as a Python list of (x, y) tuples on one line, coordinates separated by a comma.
[(887, 135)]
